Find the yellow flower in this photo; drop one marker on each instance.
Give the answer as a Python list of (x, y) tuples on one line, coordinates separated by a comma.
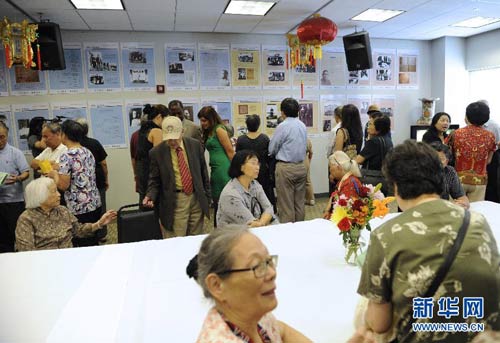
[(338, 214), (380, 206)]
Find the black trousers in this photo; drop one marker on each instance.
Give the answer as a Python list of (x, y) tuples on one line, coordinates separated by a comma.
[(9, 213), (89, 217)]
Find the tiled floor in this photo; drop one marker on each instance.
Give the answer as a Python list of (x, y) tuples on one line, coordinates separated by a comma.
[(312, 212)]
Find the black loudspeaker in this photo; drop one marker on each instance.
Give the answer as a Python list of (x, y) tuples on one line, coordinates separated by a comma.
[(358, 52), (51, 47)]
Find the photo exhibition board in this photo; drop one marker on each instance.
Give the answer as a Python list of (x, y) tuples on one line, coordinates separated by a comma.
[(22, 116), (275, 74), (4, 91), (107, 123), (309, 113), (333, 67), (303, 73), (387, 104), (328, 104), (242, 108), (69, 110), (222, 106), (181, 66), (361, 101), (191, 108), (102, 67), (271, 108), (69, 80), (133, 113), (384, 69), (27, 81), (6, 118), (215, 66), (408, 69), (138, 66), (245, 66)]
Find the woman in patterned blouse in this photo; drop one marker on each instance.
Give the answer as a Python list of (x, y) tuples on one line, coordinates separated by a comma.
[(235, 270), (406, 252), (45, 224)]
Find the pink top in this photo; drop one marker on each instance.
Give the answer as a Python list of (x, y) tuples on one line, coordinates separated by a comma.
[(216, 330)]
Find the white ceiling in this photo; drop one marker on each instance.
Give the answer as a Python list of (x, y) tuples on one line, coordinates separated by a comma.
[(423, 19)]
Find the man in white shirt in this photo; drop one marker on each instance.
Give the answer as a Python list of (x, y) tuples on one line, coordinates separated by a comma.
[(51, 135)]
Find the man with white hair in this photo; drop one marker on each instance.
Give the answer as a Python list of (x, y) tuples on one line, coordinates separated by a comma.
[(179, 187)]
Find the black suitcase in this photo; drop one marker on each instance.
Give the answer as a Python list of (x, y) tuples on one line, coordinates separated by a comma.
[(135, 225)]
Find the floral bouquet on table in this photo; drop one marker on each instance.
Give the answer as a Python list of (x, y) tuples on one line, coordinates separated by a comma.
[(351, 215)]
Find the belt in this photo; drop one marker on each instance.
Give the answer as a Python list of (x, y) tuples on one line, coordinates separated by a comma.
[(288, 162), (179, 191)]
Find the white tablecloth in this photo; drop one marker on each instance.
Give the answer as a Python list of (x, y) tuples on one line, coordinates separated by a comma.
[(140, 293)]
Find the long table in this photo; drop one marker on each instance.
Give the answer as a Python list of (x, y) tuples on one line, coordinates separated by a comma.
[(139, 292)]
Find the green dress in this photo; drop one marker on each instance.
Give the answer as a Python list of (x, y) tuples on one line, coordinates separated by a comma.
[(219, 164), (405, 253)]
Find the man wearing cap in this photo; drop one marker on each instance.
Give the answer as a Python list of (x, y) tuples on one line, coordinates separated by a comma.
[(179, 186), (191, 130), (373, 112)]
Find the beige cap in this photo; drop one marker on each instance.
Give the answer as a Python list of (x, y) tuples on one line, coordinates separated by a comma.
[(171, 127), (373, 108)]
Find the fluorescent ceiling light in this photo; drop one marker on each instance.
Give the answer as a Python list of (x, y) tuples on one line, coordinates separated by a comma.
[(98, 4), (248, 7), (476, 22), (375, 14)]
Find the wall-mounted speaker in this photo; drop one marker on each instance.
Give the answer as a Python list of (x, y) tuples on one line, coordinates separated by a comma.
[(51, 47), (358, 52)]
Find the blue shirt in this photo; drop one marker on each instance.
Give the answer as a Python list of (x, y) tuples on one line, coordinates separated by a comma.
[(289, 142), (12, 161)]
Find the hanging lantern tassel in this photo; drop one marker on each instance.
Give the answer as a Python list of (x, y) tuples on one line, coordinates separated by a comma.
[(286, 59), (8, 59), (311, 57), (38, 57), (318, 54), (29, 60), (302, 89)]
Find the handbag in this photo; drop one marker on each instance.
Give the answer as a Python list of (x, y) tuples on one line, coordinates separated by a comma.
[(440, 275), (349, 149)]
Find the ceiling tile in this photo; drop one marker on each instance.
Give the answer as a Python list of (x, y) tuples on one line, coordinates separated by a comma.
[(43, 5), (106, 20)]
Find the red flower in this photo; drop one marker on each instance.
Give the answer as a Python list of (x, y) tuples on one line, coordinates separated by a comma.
[(363, 191), (342, 202), (344, 224), (356, 206)]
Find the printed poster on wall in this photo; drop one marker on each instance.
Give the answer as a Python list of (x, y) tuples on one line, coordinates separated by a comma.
[(6, 118), (181, 66), (275, 74), (408, 69), (102, 67), (223, 107), (215, 71), (69, 110), (361, 101), (242, 108), (271, 107), (333, 68), (4, 91), (384, 67), (26, 81), (329, 103), (133, 113), (305, 73), (69, 80), (309, 113), (22, 116), (359, 79), (106, 122), (245, 65), (386, 103), (138, 65), (191, 108)]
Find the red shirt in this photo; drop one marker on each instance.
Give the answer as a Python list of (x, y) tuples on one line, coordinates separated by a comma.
[(471, 146)]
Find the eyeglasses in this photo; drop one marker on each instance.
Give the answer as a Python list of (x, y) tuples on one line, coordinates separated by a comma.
[(259, 270)]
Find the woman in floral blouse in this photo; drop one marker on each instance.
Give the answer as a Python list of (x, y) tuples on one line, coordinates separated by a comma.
[(405, 253), (236, 271)]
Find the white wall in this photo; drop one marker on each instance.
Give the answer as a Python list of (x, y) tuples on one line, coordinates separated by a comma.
[(121, 181), (483, 51)]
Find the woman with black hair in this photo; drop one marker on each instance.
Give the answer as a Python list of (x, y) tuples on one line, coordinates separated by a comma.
[(437, 131), (349, 137), (150, 135), (243, 200)]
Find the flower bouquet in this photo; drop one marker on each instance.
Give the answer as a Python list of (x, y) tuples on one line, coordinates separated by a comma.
[(351, 215)]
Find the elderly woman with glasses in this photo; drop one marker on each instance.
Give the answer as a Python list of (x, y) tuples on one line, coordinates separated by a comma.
[(346, 172), (243, 200), (45, 224), (235, 270)]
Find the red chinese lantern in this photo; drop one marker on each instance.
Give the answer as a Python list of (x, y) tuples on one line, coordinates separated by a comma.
[(317, 31)]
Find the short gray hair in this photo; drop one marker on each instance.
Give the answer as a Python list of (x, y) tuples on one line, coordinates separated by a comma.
[(215, 253), (52, 127), (343, 160), (37, 191), (84, 123)]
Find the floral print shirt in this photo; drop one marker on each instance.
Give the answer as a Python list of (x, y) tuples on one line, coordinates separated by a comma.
[(216, 329), (82, 195), (405, 253)]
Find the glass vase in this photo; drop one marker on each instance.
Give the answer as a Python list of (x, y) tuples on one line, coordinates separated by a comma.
[(353, 250)]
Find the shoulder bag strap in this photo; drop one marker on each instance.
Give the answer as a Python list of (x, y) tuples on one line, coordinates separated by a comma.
[(443, 270)]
